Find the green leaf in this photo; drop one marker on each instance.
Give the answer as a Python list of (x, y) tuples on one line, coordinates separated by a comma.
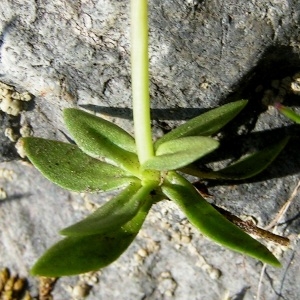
[(177, 153), (288, 112), (69, 167), (113, 214), (100, 138), (206, 124), (244, 168), (75, 118), (210, 222), (80, 254)]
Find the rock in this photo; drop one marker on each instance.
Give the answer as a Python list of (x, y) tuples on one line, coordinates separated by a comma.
[(77, 54)]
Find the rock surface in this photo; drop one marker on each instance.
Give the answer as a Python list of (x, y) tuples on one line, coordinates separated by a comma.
[(77, 53)]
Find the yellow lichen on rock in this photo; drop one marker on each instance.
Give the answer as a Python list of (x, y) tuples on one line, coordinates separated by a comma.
[(11, 101)]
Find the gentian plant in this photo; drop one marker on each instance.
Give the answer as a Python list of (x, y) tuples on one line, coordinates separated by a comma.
[(105, 157)]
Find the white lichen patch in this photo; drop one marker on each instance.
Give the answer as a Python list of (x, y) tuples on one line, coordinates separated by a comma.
[(213, 272), (20, 148), (142, 252), (80, 290), (11, 101), (83, 286), (46, 286), (166, 284), (150, 248), (12, 136), (295, 84), (13, 287), (90, 278), (140, 255), (6, 174), (26, 130), (181, 235), (3, 194), (280, 89), (85, 205)]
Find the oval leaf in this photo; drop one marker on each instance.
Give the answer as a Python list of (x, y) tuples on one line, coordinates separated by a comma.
[(69, 167), (76, 118), (113, 214), (75, 255), (210, 222), (244, 168), (206, 124), (177, 153), (100, 138)]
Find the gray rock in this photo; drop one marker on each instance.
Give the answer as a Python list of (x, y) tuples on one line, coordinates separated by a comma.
[(77, 53)]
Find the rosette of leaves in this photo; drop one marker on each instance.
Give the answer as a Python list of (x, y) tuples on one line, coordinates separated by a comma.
[(104, 158)]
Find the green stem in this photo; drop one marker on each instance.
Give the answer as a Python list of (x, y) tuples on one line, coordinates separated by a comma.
[(140, 79)]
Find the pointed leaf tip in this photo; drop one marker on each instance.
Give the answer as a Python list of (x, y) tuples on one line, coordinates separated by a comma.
[(100, 138), (81, 254), (178, 153), (206, 124), (79, 121), (210, 222), (69, 167), (246, 167)]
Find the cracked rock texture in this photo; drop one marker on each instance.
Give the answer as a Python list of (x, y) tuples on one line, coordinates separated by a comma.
[(77, 54)]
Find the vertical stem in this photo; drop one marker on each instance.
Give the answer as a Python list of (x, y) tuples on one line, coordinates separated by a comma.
[(140, 79)]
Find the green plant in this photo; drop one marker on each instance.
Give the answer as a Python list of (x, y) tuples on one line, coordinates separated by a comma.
[(287, 112), (106, 157)]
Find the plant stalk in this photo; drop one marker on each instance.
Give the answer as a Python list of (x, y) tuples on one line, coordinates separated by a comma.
[(140, 79)]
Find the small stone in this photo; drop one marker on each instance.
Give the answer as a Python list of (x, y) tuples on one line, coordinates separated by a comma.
[(26, 97), (3, 194), (8, 132), (176, 236), (26, 130), (7, 295), (143, 253), (27, 296), (215, 273), (185, 239), (20, 148), (19, 285), (11, 101), (4, 276), (81, 290), (165, 274), (6, 174), (295, 87), (9, 284), (165, 225), (168, 293), (204, 85), (137, 258), (152, 246)]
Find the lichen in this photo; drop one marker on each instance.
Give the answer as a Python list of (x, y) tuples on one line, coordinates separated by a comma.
[(11, 101)]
